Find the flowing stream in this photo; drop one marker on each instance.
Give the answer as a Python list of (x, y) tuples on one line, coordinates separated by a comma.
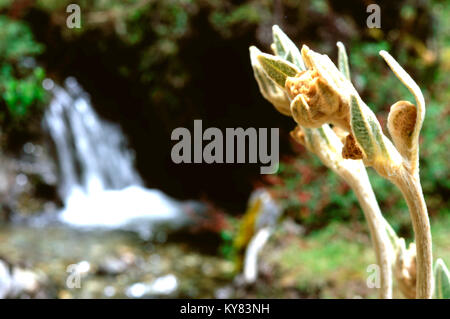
[(98, 183), (102, 191)]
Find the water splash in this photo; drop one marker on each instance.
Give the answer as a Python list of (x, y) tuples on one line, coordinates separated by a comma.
[(99, 185)]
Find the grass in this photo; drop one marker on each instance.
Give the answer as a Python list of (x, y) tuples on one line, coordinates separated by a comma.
[(333, 262)]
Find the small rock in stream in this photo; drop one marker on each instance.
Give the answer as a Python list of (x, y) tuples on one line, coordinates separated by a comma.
[(17, 282), (113, 266), (162, 286)]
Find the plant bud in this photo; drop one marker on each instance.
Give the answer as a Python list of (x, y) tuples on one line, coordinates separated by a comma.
[(350, 149), (411, 152), (401, 123), (314, 101), (298, 135), (325, 92)]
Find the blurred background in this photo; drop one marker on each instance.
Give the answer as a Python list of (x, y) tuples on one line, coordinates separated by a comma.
[(86, 177)]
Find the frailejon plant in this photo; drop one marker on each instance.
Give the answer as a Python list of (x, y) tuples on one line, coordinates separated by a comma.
[(310, 88)]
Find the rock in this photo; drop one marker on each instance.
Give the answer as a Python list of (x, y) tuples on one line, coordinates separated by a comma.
[(24, 281), (113, 266), (27, 179), (224, 293), (162, 286), (109, 291), (5, 280), (137, 290), (16, 282)]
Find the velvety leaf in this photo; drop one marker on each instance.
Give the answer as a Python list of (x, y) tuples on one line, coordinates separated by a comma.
[(343, 60), (442, 280), (285, 48), (367, 131), (361, 128), (271, 92), (277, 68), (402, 75)]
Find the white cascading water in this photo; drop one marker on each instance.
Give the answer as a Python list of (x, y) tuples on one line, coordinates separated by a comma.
[(98, 183)]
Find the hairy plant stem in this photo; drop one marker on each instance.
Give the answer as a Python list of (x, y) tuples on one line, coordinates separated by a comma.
[(384, 251), (328, 147), (409, 185)]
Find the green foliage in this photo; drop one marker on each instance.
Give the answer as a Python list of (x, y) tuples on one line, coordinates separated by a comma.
[(276, 68), (226, 249), (331, 254), (343, 61), (336, 255), (20, 86), (224, 20), (16, 40), (20, 94), (442, 280)]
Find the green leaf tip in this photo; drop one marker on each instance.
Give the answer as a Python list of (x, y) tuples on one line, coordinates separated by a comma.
[(412, 86), (368, 133), (268, 88), (360, 127), (277, 68), (442, 280), (343, 60), (285, 48)]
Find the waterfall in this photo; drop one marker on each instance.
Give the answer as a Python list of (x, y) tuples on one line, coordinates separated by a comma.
[(98, 183), (92, 153)]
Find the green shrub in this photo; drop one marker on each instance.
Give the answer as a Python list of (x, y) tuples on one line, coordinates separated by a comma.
[(20, 82)]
